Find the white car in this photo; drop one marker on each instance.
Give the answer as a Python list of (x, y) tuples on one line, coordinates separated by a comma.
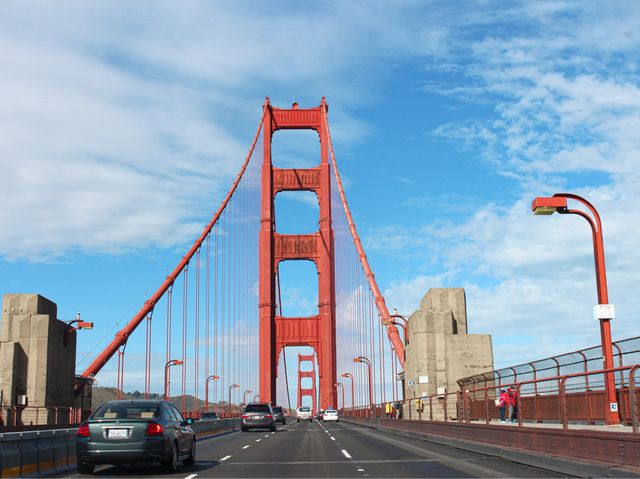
[(304, 414), (330, 415)]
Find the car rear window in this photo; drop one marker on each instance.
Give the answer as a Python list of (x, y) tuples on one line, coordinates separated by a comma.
[(127, 411), (257, 408), (304, 409), (331, 413)]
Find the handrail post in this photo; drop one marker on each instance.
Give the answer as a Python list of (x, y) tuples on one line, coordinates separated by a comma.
[(632, 399), (518, 404), (487, 419), (563, 403), (445, 406), (430, 408)]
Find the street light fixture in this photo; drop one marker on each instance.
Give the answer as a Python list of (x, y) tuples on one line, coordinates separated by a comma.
[(603, 311), (233, 386), (167, 384), (404, 325), (78, 325), (244, 396), (213, 377), (363, 359), (350, 376), (341, 386)]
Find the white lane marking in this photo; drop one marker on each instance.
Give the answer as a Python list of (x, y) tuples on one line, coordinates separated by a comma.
[(258, 440), (225, 458), (267, 435), (360, 469), (333, 438), (346, 454), (191, 476), (244, 447)]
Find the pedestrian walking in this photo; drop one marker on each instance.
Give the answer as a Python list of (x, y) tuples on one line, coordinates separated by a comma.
[(513, 399), (388, 409), (399, 410), (502, 405)]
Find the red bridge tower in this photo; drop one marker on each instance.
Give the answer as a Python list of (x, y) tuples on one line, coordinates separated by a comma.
[(276, 332)]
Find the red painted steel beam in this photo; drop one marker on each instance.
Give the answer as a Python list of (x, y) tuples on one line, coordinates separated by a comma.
[(122, 335)]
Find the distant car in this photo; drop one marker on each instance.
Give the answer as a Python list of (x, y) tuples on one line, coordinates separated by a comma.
[(258, 414), (330, 415), (209, 416), (135, 431), (278, 414), (319, 414), (304, 414)]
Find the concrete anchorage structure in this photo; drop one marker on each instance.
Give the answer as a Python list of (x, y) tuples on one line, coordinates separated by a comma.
[(440, 350), (37, 360)]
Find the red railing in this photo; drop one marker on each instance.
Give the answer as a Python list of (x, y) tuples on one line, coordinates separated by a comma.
[(557, 401), (12, 417)]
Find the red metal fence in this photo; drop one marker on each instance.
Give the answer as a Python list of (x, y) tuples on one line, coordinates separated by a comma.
[(557, 399)]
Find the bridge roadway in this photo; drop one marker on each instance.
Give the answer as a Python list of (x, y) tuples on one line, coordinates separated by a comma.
[(329, 450)]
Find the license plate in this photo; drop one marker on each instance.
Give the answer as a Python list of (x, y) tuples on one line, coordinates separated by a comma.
[(117, 434), (257, 417)]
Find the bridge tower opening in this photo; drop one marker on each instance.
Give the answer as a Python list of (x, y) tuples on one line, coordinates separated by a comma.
[(306, 373), (317, 331)]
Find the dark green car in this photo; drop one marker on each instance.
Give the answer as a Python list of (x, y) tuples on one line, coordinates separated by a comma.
[(135, 431)]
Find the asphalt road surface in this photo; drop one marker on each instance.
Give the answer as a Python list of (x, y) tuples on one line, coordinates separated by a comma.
[(329, 450)]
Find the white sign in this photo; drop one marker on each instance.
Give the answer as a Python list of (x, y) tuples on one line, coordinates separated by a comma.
[(423, 379), (441, 390), (604, 311), (613, 406)]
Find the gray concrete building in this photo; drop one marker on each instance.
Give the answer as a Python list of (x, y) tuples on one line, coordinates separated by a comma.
[(440, 350), (37, 360)]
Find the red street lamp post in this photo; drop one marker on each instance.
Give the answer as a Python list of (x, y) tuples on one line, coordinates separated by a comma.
[(244, 396), (362, 359), (213, 377), (341, 386), (353, 389), (405, 325), (604, 312), (167, 384), (256, 397), (231, 387)]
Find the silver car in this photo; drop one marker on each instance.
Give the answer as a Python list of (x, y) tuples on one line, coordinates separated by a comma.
[(258, 414)]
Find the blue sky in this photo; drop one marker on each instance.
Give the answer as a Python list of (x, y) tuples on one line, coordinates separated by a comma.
[(123, 126)]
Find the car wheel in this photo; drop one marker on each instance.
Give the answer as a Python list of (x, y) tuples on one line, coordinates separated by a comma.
[(171, 465), (273, 428), (85, 468), (297, 420), (243, 429), (190, 461)]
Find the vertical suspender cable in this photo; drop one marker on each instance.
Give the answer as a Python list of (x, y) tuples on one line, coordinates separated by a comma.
[(207, 284), (185, 296), (196, 375)]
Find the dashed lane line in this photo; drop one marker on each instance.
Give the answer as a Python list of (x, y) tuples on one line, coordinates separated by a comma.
[(258, 440), (346, 454), (191, 476), (333, 438), (225, 458), (244, 447)]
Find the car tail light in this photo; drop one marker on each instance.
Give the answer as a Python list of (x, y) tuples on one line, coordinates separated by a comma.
[(268, 416), (83, 430), (245, 416), (154, 429)]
